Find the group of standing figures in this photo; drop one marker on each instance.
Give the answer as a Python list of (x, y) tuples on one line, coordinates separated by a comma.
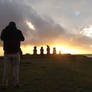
[(42, 50)]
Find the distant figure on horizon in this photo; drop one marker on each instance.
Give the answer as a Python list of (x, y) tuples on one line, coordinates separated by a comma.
[(41, 51), (35, 50), (11, 37), (54, 50), (48, 50)]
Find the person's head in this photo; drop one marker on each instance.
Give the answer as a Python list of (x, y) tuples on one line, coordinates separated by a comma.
[(12, 24)]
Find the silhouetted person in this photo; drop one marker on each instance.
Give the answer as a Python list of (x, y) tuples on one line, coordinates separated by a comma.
[(35, 50), (11, 37), (48, 50), (41, 51), (54, 50)]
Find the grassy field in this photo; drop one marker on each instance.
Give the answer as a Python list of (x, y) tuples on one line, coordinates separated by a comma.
[(54, 74)]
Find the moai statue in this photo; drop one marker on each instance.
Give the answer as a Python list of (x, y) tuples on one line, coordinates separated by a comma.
[(54, 50), (41, 51), (48, 50), (60, 52), (35, 50)]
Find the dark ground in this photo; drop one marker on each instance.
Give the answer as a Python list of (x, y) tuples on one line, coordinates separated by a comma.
[(53, 74)]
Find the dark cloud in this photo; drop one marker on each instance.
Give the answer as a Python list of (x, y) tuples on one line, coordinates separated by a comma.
[(46, 30)]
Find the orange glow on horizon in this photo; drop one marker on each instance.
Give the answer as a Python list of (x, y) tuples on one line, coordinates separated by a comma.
[(63, 49)]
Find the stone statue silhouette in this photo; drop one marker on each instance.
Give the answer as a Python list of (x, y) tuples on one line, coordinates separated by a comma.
[(41, 51), (48, 50), (54, 50), (35, 50)]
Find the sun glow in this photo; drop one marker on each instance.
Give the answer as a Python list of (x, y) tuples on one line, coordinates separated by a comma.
[(65, 50), (30, 25), (62, 49), (1, 51), (27, 49)]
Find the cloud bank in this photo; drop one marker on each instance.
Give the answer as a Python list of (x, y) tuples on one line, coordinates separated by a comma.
[(47, 31)]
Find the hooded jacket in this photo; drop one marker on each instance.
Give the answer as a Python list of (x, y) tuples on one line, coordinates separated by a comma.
[(11, 38)]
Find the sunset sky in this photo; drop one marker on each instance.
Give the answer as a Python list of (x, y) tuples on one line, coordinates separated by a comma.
[(64, 24)]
